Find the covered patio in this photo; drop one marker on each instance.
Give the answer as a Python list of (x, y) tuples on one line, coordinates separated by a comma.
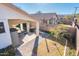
[(24, 25), (27, 39), (24, 35)]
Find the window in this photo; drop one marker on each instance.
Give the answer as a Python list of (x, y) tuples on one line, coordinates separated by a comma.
[(51, 21), (44, 21), (2, 30)]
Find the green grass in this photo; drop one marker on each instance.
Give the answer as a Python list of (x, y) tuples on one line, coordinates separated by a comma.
[(58, 29), (71, 52)]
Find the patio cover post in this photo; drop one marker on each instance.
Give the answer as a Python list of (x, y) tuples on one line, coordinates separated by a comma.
[(21, 27), (28, 27), (37, 29)]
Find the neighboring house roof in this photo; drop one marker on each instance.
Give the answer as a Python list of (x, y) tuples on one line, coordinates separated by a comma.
[(46, 16), (60, 16)]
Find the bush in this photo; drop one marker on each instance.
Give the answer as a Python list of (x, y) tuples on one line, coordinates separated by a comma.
[(65, 35), (71, 52), (9, 51), (57, 30)]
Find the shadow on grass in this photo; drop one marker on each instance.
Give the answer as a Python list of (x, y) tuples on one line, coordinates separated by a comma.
[(71, 44), (47, 45), (45, 35), (62, 42)]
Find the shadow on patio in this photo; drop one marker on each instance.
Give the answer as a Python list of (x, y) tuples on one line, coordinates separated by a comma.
[(35, 48), (18, 53)]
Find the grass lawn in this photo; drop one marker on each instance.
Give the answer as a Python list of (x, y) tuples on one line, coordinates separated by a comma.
[(51, 50), (48, 48)]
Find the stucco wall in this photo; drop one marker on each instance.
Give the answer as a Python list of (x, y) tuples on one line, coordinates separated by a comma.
[(9, 13), (77, 39), (5, 39)]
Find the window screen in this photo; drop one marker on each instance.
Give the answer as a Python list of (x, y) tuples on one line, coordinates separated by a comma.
[(2, 30)]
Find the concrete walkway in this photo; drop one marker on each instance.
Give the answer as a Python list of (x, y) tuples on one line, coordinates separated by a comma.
[(26, 48), (30, 42)]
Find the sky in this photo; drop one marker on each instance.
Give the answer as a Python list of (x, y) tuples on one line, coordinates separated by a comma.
[(59, 8)]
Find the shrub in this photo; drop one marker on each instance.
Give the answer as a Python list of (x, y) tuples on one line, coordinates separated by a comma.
[(57, 30), (9, 51), (71, 52), (65, 35)]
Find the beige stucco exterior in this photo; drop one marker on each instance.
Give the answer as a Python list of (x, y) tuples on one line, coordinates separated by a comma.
[(9, 11), (11, 15)]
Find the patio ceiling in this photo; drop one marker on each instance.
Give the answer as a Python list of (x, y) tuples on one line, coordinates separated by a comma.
[(16, 22)]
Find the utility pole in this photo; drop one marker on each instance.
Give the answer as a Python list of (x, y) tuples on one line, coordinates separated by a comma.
[(75, 10), (74, 16)]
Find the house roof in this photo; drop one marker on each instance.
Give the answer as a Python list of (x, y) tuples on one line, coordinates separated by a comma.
[(18, 10), (15, 8), (45, 16)]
